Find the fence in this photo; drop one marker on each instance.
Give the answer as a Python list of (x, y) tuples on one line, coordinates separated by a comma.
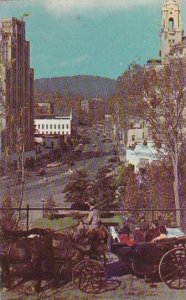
[(60, 212)]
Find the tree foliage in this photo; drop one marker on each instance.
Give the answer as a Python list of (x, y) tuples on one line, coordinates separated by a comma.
[(160, 95), (78, 190), (105, 187), (8, 216)]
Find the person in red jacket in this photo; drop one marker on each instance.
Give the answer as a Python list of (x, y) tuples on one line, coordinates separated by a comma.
[(124, 236)]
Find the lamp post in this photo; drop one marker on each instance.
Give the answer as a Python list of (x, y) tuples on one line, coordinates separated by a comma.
[(43, 206)]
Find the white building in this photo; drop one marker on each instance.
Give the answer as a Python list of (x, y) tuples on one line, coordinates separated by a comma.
[(142, 155), (137, 133), (51, 125)]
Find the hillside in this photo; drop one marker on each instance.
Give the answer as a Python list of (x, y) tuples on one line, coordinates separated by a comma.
[(86, 86)]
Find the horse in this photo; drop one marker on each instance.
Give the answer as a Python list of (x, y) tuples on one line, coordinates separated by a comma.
[(91, 242), (27, 256)]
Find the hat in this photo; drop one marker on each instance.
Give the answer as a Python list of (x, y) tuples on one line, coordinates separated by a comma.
[(91, 201)]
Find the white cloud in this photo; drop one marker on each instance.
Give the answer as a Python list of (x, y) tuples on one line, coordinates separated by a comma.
[(74, 61), (70, 6)]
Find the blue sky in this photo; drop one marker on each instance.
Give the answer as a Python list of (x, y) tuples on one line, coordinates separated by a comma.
[(91, 37)]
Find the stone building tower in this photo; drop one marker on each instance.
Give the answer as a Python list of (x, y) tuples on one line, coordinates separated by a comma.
[(171, 28), (16, 88)]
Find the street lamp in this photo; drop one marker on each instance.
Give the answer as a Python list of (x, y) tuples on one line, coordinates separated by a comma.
[(43, 206)]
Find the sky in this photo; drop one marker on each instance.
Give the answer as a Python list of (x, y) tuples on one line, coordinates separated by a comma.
[(89, 37)]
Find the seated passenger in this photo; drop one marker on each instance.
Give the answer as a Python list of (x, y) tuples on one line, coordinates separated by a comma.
[(153, 231), (139, 235), (163, 234), (124, 236), (141, 231)]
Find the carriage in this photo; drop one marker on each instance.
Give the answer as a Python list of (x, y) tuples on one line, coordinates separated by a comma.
[(39, 254), (160, 261)]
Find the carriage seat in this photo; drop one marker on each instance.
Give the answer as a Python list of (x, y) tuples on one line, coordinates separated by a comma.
[(123, 251)]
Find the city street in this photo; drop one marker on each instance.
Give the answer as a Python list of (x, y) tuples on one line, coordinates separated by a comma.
[(39, 188)]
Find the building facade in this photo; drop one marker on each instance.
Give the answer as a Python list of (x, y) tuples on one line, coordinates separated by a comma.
[(137, 133), (16, 89), (53, 125)]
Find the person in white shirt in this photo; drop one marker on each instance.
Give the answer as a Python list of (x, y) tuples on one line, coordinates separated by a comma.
[(93, 216), (163, 234)]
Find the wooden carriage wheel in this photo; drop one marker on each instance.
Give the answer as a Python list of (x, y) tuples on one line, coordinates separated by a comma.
[(172, 268), (89, 276)]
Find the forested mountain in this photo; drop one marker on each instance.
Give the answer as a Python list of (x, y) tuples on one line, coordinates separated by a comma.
[(85, 86)]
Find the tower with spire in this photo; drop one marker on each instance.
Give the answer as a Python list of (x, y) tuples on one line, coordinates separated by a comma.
[(171, 28)]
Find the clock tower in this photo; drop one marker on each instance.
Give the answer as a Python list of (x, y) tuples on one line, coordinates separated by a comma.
[(171, 28)]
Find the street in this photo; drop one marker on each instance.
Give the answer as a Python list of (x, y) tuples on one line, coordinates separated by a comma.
[(130, 288), (39, 188)]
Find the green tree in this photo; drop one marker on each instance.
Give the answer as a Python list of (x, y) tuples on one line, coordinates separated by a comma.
[(161, 95), (164, 95), (79, 189), (105, 187), (8, 216)]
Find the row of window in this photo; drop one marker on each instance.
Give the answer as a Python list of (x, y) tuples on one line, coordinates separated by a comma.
[(55, 132), (52, 126)]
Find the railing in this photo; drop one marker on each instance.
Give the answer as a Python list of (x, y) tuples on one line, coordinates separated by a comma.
[(66, 211)]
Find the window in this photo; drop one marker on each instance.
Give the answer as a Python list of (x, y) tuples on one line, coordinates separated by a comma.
[(50, 126), (67, 126), (42, 126), (54, 126), (62, 132), (46, 126), (63, 126), (171, 24), (50, 132), (38, 126), (58, 132), (58, 126), (46, 132), (133, 137)]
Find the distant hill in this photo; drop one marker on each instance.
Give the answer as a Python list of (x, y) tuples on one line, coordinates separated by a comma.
[(86, 86)]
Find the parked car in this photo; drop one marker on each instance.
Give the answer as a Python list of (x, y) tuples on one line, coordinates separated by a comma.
[(107, 140), (54, 164), (41, 172), (113, 159), (174, 232)]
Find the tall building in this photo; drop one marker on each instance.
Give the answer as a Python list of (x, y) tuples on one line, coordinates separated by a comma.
[(16, 89), (171, 35)]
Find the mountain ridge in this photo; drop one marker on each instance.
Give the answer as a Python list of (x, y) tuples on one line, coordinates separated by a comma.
[(85, 86)]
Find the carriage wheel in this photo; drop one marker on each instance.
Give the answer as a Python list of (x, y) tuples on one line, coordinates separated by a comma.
[(172, 268), (89, 276), (178, 244)]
